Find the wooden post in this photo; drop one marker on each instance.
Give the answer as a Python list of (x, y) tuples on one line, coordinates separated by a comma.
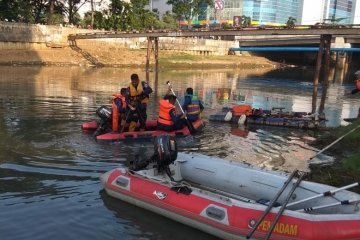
[(317, 73), (149, 43), (156, 54), (347, 66), (327, 47)]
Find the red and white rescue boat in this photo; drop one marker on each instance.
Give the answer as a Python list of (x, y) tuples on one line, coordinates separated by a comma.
[(228, 199)]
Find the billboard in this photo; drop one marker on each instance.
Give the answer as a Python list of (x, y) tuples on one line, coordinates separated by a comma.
[(237, 21)]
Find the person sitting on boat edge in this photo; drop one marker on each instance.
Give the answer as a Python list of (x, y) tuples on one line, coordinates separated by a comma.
[(118, 109), (192, 105), (168, 120), (357, 82), (137, 99)]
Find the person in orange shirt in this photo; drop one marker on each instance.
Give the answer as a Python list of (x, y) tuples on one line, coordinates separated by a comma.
[(118, 109), (168, 120)]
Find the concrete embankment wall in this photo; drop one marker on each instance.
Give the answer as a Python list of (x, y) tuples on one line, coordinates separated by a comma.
[(18, 36)]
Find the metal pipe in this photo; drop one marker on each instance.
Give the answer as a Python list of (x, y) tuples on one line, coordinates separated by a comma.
[(324, 194)]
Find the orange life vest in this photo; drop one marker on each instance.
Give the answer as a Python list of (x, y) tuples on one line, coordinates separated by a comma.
[(242, 109), (164, 115), (136, 92), (115, 112)]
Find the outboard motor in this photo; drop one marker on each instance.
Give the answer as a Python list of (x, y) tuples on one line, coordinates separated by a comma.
[(165, 151), (104, 113)]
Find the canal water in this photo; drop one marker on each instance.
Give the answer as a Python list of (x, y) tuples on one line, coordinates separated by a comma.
[(49, 168)]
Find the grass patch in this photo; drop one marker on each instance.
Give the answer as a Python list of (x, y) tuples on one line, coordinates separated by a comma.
[(352, 163), (180, 57), (346, 168)]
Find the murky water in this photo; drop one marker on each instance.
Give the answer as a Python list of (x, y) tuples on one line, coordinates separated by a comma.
[(49, 169)]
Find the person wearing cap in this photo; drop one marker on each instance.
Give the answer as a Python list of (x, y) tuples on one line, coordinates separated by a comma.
[(192, 105), (137, 99), (118, 109), (357, 82), (168, 120)]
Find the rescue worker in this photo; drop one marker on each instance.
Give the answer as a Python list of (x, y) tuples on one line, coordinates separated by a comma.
[(137, 99), (168, 120), (118, 109), (192, 105), (357, 82)]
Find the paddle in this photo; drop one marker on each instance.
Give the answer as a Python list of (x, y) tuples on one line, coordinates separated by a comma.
[(126, 118), (337, 140), (282, 209), (272, 203), (324, 194), (188, 123), (343, 202)]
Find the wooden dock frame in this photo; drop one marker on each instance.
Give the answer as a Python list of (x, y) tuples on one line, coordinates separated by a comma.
[(324, 52), (152, 47)]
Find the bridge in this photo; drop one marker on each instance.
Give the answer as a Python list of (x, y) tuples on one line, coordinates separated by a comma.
[(351, 33), (322, 35), (263, 36)]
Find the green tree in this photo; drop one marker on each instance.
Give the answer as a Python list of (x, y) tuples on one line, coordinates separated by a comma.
[(291, 22), (119, 16), (245, 21), (169, 21), (188, 9), (71, 8), (333, 20), (95, 18), (16, 10)]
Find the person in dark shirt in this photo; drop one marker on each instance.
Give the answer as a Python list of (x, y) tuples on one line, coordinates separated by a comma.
[(192, 105)]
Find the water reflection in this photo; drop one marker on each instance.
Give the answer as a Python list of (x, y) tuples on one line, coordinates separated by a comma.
[(49, 168)]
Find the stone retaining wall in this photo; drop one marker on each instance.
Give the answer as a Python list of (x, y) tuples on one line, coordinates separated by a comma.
[(18, 36)]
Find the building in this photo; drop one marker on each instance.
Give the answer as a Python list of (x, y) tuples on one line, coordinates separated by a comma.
[(329, 11), (277, 12), (160, 6), (262, 12)]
